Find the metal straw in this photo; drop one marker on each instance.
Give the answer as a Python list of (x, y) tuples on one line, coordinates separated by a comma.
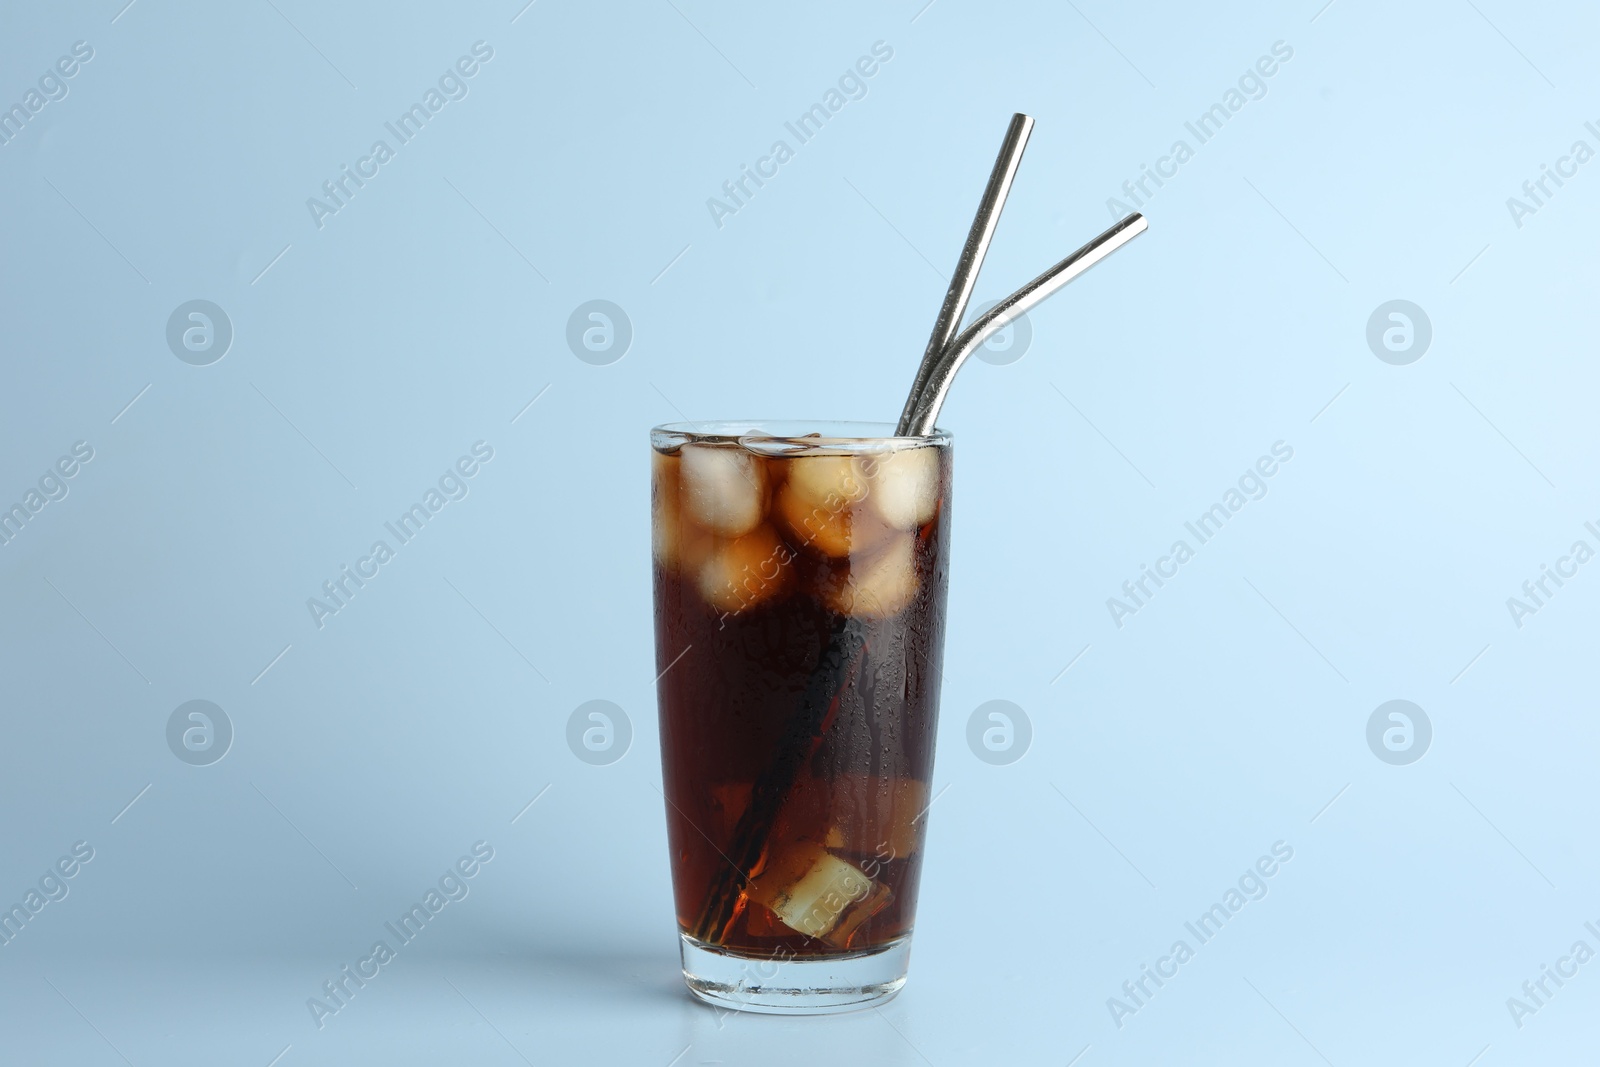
[(947, 351), (965, 277), (938, 370)]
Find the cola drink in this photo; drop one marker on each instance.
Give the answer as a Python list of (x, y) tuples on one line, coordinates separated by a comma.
[(800, 579)]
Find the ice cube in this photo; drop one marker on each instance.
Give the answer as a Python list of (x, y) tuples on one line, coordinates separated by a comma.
[(723, 487), (811, 891), (822, 503), (744, 572), (879, 587), (843, 933), (677, 542), (875, 815), (819, 477), (664, 508), (905, 486)]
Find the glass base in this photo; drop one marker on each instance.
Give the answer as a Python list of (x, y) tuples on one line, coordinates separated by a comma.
[(799, 986)]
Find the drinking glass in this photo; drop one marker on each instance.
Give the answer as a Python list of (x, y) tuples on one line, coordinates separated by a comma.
[(800, 580)]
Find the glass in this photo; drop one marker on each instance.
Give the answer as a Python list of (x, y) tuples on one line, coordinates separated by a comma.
[(800, 579)]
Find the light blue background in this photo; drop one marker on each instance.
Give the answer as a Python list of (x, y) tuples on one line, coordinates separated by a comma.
[(427, 714)]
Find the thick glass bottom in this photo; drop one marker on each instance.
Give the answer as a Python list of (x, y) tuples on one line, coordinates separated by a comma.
[(796, 986)]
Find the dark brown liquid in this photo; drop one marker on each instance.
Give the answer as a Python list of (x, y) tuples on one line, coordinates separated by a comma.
[(809, 819)]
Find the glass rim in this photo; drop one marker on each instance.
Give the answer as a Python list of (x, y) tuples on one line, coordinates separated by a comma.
[(794, 436)]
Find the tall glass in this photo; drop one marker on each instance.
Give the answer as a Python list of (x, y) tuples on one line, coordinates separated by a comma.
[(800, 576)]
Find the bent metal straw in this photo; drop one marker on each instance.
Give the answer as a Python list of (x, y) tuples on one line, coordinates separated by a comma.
[(945, 354)]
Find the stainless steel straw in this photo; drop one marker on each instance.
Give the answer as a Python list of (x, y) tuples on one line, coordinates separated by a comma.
[(922, 408), (946, 350), (965, 277)]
